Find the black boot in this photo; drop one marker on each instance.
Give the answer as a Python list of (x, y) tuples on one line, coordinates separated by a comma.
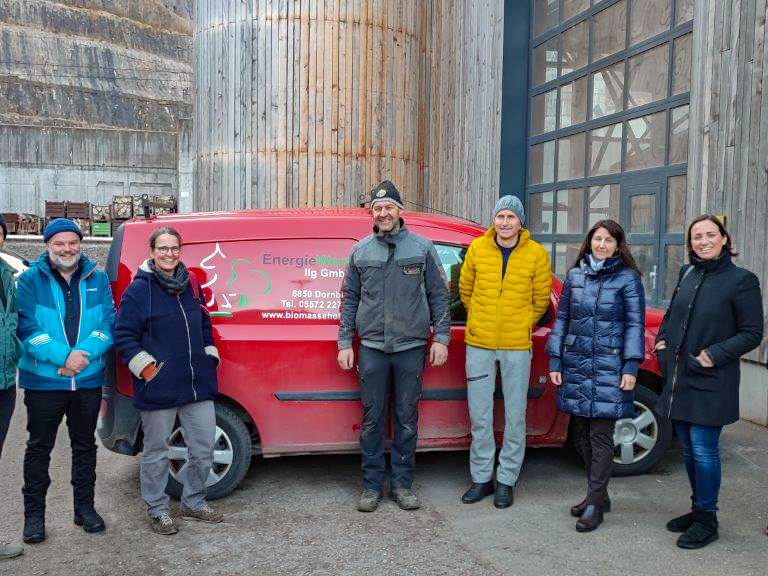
[(90, 520), (703, 531), (681, 523), (34, 529), (578, 510), (477, 492), (504, 496), (591, 519)]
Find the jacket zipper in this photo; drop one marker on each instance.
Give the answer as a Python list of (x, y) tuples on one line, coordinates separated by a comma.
[(189, 343), (594, 370), (79, 320)]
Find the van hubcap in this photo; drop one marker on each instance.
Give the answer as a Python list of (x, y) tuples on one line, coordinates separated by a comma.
[(634, 438), (178, 454)]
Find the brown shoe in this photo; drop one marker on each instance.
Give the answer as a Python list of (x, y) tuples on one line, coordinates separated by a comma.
[(205, 514), (164, 525), (405, 498), (591, 519), (578, 510)]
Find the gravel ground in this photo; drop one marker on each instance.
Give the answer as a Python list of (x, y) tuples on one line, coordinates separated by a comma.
[(296, 516)]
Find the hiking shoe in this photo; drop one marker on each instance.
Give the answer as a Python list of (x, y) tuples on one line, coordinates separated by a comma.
[(90, 521), (405, 498), (369, 500), (205, 514), (164, 525), (8, 550), (34, 529)]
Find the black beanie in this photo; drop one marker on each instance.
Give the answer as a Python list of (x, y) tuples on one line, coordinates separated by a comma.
[(386, 191), (4, 226)]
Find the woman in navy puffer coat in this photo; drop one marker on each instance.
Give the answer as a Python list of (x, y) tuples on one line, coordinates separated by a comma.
[(595, 349)]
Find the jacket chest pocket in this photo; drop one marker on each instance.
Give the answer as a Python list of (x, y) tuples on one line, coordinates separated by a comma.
[(411, 268), (370, 274), (92, 298)]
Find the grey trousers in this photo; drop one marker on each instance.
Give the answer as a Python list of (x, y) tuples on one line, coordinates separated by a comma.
[(515, 367), (198, 427)]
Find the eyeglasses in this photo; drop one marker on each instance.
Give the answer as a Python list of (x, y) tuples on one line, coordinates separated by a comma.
[(168, 250)]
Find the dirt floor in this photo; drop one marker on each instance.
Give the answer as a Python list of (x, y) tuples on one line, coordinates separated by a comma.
[(296, 516)]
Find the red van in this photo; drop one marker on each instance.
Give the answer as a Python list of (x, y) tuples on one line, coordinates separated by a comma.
[(273, 284)]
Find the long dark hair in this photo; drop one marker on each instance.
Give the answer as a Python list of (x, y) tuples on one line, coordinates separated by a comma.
[(617, 232), (728, 247), (164, 230)]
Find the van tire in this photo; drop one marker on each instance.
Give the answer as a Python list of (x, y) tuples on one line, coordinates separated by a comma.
[(231, 435), (660, 428)]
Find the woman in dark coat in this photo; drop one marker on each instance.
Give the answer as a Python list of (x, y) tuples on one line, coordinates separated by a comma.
[(163, 333), (715, 317), (595, 349)]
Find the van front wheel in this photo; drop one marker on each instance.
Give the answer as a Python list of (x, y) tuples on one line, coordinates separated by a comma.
[(231, 456)]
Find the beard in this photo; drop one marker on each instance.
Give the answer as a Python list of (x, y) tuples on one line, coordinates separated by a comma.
[(65, 263)]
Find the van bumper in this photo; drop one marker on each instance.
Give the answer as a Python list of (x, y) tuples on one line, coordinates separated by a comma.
[(119, 423)]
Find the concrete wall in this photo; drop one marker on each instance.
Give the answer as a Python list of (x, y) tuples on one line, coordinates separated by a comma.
[(30, 247), (92, 96)]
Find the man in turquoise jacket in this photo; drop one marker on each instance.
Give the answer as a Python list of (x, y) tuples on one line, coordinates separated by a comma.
[(66, 314), (10, 350)]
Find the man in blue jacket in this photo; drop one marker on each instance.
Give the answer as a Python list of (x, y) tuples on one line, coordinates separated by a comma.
[(66, 314)]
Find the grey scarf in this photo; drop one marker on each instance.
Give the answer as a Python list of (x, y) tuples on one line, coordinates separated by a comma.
[(175, 284)]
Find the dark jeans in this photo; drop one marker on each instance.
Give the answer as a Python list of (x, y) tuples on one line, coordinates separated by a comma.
[(593, 439), (45, 411), (7, 402), (701, 454), (376, 370)]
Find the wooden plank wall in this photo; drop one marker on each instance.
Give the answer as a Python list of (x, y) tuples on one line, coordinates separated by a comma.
[(304, 103), (728, 157)]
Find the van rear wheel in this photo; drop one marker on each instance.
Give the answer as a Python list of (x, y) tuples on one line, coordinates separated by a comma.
[(231, 456)]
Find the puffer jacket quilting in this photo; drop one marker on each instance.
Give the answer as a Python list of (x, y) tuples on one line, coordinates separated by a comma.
[(599, 334), (502, 312)]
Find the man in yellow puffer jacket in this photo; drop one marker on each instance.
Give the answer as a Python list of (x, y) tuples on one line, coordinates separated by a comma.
[(505, 285)]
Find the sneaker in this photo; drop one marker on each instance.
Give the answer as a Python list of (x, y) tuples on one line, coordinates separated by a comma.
[(8, 550), (164, 525), (405, 498), (205, 514), (369, 500)]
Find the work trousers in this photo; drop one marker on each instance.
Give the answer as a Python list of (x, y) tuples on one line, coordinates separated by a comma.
[(376, 370)]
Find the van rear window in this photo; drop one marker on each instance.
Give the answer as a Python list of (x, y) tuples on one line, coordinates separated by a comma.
[(272, 281)]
